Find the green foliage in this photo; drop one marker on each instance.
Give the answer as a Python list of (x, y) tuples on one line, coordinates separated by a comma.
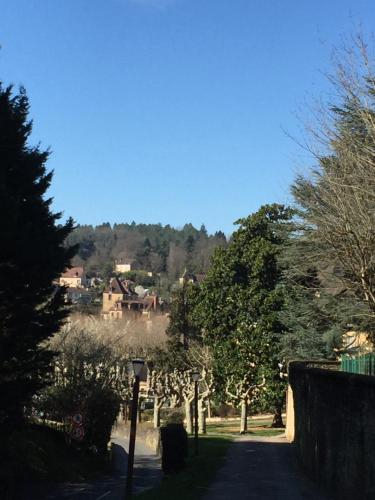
[(318, 309), (316, 321), (86, 380), (32, 256), (173, 416), (183, 327), (240, 302), (98, 405)]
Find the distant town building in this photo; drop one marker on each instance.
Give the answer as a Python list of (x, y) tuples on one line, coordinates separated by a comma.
[(75, 295), (356, 343), (119, 299), (191, 278), (123, 266), (74, 277)]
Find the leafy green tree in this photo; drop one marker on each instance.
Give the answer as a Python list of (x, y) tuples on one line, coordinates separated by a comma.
[(239, 308), (32, 256)]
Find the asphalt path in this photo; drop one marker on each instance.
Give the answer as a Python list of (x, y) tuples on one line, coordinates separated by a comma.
[(263, 468), (147, 473)]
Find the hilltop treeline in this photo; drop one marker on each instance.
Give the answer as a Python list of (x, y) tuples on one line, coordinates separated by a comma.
[(152, 247)]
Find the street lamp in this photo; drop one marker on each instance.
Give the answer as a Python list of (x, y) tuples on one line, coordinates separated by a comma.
[(195, 376), (137, 368)]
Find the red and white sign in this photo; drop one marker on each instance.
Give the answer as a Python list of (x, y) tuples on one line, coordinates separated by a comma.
[(77, 433), (77, 419)]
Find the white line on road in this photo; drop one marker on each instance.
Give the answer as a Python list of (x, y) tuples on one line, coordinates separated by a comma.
[(104, 495)]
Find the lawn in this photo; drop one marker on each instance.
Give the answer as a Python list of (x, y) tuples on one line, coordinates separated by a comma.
[(191, 483), (257, 427)]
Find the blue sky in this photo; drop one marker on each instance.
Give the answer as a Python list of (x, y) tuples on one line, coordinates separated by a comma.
[(171, 111)]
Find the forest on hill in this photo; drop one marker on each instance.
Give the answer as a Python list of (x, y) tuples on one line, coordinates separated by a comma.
[(151, 247)]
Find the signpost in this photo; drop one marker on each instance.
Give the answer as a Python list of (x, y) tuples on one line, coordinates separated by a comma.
[(76, 428)]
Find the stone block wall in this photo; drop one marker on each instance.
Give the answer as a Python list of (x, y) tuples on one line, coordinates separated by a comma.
[(334, 428)]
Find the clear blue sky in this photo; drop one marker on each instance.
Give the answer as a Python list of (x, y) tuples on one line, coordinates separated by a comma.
[(171, 111)]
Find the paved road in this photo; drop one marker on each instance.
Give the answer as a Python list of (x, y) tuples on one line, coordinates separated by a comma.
[(264, 469), (147, 473)]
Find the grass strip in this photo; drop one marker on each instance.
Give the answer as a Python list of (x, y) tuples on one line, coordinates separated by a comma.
[(232, 427)]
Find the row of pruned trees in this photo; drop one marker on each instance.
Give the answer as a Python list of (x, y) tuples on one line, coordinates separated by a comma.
[(171, 383)]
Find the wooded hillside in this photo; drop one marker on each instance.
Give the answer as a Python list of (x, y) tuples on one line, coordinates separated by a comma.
[(152, 247)]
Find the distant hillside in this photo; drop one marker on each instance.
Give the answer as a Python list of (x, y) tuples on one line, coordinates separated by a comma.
[(152, 247)]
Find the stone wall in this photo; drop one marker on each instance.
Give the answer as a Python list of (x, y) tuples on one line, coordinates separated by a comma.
[(334, 428), (150, 437)]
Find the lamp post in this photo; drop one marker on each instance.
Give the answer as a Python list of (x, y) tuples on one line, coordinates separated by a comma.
[(195, 377), (137, 368)]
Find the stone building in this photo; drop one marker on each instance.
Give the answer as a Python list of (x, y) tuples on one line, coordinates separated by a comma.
[(120, 299)]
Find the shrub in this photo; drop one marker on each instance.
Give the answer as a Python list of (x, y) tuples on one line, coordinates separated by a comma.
[(98, 405), (224, 411), (175, 416)]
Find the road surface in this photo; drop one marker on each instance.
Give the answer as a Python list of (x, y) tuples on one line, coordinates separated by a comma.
[(263, 468), (147, 473)]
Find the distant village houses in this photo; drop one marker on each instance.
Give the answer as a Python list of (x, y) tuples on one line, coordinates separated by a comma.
[(77, 285), (191, 278), (74, 277), (119, 299), (123, 266)]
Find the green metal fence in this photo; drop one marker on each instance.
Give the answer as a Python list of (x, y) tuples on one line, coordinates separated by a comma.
[(364, 364)]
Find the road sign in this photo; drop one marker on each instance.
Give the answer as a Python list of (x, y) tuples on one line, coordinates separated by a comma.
[(77, 433), (77, 419)]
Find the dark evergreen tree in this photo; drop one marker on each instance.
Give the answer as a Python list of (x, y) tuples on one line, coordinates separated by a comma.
[(239, 308), (32, 255), (318, 310), (183, 326)]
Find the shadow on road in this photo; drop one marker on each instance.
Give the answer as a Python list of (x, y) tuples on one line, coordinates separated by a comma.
[(264, 469), (110, 487)]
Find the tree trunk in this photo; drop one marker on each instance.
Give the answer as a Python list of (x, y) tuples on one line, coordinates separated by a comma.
[(174, 402), (243, 417), (209, 415), (125, 413), (201, 417), (157, 408), (189, 417), (277, 417)]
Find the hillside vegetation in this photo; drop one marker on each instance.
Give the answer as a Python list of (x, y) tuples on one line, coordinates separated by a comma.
[(153, 247)]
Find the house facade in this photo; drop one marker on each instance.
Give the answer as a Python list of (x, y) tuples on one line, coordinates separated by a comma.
[(74, 277), (119, 299)]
